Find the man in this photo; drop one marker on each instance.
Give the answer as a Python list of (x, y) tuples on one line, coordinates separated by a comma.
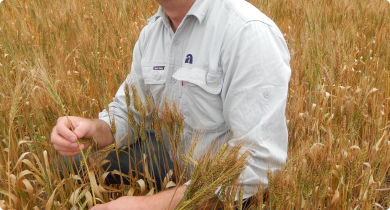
[(226, 65)]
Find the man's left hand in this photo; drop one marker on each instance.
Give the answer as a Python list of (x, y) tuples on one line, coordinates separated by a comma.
[(126, 202), (161, 200)]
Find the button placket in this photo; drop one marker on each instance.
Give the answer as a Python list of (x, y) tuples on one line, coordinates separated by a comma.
[(172, 61), (175, 60)]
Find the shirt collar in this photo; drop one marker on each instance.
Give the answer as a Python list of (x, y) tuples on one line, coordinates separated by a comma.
[(199, 10), (160, 13)]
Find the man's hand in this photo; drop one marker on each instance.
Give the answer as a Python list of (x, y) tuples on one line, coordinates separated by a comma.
[(159, 201), (64, 140), (126, 202)]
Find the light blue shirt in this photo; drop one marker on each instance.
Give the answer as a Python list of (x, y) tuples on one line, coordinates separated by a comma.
[(227, 68)]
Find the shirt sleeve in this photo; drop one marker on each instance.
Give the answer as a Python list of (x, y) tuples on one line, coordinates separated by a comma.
[(118, 109), (256, 76)]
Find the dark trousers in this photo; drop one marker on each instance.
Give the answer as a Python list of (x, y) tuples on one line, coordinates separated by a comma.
[(156, 160)]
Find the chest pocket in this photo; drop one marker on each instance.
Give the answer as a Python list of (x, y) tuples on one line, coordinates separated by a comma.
[(154, 78), (154, 74), (201, 100)]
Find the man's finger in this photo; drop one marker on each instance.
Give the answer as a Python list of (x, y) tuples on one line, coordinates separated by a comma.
[(76, 149), (63, 129), (65, 149), (81, 129), (58, 140), (69, 154)]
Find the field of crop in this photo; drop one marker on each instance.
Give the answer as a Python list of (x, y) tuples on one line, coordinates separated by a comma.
[(69, 57)]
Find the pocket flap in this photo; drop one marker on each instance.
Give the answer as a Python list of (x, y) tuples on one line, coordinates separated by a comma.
[(154, 74), (209, 82)]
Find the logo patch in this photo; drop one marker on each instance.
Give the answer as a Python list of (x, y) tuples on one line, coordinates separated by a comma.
[(158, 67), (189, 59)]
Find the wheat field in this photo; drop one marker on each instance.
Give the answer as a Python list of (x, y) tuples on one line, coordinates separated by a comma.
[(69, 57)]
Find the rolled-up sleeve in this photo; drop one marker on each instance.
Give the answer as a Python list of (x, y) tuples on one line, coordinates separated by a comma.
[(257, 72)]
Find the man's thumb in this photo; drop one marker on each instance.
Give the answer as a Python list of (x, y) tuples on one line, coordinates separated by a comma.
[(81, 130)]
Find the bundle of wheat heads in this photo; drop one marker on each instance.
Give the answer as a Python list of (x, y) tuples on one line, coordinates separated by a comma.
[(88, 180)]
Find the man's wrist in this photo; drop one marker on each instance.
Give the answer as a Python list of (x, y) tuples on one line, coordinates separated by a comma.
[(101, 132)]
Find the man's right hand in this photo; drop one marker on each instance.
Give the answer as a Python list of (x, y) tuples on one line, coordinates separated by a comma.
[(65, 141)]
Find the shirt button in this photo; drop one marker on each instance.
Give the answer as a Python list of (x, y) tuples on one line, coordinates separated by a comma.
[(176, 44), (266, 94), (173, 80)]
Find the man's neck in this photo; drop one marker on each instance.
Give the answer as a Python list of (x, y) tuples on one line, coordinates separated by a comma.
[(176, 10)]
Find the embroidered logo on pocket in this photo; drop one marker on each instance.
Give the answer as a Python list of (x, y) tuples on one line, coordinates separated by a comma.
[(158, 67)]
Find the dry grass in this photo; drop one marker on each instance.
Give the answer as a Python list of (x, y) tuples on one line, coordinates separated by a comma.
[(338, 107)]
